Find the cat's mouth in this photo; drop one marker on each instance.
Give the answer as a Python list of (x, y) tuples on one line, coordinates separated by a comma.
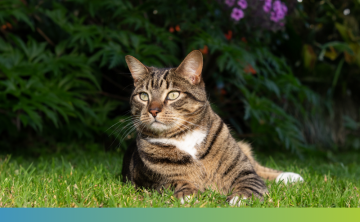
[(158, 125), (157, 121)]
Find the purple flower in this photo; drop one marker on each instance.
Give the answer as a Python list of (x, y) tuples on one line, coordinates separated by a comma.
[(273, 17), (284, 8), (267, 6), (243, 4), (230, 2), (277, 5), (280, 15), (278, 12), (237, 14)]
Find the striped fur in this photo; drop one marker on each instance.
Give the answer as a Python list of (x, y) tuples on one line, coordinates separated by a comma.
[(186, 146), (264, 172)]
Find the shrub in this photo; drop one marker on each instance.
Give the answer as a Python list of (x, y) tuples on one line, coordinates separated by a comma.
[(62, 65), (327, 34)]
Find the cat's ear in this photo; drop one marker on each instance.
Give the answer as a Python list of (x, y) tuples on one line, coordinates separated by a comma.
[(137, 69), (191, 67)]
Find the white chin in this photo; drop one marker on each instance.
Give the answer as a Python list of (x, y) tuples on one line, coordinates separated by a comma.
[(158, 127)]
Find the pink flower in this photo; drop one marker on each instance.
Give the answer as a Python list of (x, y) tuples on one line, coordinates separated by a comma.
[(267, 6), (243, 4), (277, 5), (273, 17), (230, 2), (278, 12), (237, 14), (284, 8)]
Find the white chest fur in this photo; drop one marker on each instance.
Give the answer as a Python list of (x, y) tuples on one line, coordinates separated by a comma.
[(187, 143)]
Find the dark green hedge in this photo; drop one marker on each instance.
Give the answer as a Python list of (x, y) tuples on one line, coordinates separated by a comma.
[(63, 74)]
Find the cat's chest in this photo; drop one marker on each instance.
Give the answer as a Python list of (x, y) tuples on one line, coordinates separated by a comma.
[(188, 143)]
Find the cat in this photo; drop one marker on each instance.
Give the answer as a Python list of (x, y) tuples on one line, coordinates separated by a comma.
[(182, 143)]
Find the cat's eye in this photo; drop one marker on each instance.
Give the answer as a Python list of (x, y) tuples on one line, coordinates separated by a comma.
[(173, 95), (144, 96)]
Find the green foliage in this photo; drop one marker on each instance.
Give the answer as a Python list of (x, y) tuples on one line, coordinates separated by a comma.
[(62, 66), (330, 30), (45, 84), (327, 33)]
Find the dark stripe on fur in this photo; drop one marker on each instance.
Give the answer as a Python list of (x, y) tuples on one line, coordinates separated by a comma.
[(193, 97), (162, 145), (179, 103), (257, 185), (166, 74), (234, 163), (252, 190), (242, 174), (183, 161), (184, 189), (215, 136)]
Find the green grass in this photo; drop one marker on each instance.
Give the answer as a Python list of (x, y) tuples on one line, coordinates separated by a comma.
[(91, 179)]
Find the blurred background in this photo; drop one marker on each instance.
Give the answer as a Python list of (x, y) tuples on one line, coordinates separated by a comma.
[(284, 75)]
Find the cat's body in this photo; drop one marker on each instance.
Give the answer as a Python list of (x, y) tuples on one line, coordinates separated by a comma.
[(182, 143)]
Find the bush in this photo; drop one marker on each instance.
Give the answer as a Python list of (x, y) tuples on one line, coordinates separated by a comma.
[(62, 65), (327, 35)]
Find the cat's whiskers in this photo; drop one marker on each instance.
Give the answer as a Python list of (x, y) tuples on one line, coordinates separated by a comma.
[(113, 125), (129, 122), (130, 130), (132, 121), (124, 127), (121, 122), (141, 130)]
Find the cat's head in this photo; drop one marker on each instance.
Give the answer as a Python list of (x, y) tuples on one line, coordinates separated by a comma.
[(167, 100)]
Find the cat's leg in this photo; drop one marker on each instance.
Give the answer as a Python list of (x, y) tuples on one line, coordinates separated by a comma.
[(184, 190), (246, 185), (236, 200)]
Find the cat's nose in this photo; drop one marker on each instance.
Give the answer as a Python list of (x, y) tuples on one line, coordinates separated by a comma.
[(154, 112), (155, 108)]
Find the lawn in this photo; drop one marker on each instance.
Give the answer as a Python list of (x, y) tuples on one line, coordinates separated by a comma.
[(79, 178)]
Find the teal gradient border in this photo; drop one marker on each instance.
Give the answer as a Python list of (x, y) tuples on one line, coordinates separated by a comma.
[(183, 215)]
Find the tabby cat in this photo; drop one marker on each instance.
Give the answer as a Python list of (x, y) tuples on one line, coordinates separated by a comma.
[(182, 143)]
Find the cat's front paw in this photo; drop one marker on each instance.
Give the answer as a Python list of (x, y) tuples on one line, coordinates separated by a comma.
[(236, 200), (186, 199), (186, 196), (289, 177)]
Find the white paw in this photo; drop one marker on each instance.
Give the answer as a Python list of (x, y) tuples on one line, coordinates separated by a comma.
[(235, 200), (288, 177), (186, 199)]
